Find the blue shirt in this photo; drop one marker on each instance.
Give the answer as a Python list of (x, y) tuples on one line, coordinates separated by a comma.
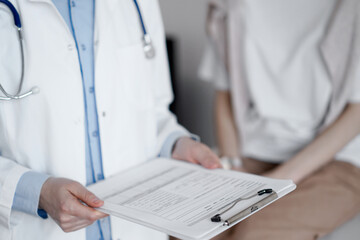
[(79, 16)]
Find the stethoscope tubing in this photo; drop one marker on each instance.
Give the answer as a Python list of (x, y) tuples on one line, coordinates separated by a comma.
[(14, 12), (140, 17)]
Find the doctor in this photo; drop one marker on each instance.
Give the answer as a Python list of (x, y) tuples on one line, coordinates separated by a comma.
[(96, 103)]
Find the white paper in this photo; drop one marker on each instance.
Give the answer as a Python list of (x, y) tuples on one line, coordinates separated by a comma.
[(179, 198)]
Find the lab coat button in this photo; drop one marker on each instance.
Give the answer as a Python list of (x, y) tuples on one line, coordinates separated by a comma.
[(91, 89), (70, 47), (95, 133)]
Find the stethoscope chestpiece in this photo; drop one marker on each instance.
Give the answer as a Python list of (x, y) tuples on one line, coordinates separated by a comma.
[(148, 47)]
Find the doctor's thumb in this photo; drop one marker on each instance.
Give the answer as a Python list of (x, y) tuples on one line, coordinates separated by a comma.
[(87, 197)]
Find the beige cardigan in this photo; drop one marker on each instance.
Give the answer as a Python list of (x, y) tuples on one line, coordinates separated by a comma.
[(340, 49)]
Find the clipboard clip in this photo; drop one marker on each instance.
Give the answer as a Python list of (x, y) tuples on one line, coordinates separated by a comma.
[(272, 196)]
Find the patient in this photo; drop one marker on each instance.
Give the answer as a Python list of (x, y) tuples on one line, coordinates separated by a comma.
[(287, 75)]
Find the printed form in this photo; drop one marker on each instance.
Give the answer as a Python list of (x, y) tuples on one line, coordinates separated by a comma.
[(179, 198)]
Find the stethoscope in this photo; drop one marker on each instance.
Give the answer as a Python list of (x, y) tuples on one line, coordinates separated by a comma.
[(148, 48)]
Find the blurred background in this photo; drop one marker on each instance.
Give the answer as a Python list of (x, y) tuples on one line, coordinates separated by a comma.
[(184, 25)]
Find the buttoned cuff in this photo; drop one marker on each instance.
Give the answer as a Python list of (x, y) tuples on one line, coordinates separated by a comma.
[(27, 194), (167, 148)]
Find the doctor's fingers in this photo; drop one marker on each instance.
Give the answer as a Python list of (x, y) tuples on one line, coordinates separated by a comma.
[(80, 192), (74, 214), (87, 213), (75, 224), (78, 227), (207, 158), (195, 152)]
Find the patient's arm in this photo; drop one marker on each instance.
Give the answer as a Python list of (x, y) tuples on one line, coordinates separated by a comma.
[(323, 149)]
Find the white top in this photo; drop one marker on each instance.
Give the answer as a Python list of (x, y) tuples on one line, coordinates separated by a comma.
[(288, 82)]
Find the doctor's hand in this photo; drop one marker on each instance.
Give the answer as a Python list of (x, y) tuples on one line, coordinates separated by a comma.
[(195, 152), (61, 197)]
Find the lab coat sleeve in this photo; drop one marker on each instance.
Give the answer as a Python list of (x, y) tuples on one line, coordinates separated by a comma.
[(166, 121), (10, 174)]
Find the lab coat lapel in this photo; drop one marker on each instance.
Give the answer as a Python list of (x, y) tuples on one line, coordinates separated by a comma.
[(51, 5)]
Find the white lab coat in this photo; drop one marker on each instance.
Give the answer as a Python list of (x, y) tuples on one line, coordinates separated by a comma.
[(45, 132)]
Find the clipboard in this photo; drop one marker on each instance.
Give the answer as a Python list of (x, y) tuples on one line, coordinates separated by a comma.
[(180, 199), (250, 210)]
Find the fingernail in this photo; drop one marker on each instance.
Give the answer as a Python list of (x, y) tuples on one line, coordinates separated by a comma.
[(211, 165), (96, 200), (215, 165)]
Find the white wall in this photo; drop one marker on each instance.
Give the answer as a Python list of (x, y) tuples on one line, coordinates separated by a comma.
[(185, 20)]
